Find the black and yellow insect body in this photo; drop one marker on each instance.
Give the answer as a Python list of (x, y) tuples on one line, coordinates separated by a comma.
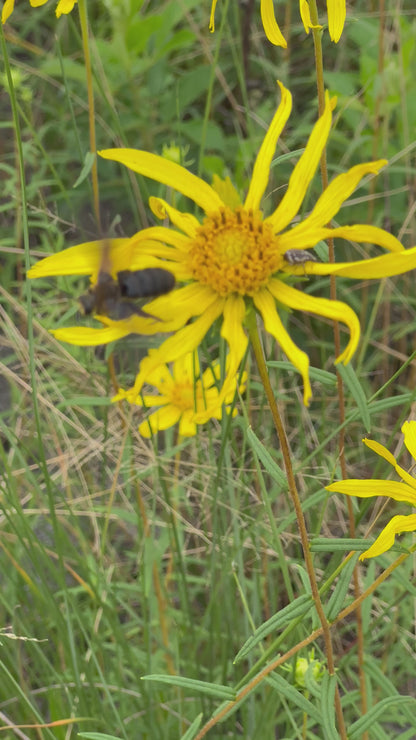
[(117, 298)]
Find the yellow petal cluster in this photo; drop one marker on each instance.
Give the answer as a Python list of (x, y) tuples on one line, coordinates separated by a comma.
[(404, 491), (63, 7), (336, 10)]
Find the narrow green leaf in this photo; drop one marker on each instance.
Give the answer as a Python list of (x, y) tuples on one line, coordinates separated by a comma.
[(86, 168), (337, 598), (212, 689), (328, 687), (315, 373), (323, 544), (190, 733), (97, 736), (350, 379), (269, 464), (296, 609), (369, 719), (294, 696)]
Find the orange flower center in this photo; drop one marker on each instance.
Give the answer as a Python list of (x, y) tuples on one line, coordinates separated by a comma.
[(182, 396), (234, 251)]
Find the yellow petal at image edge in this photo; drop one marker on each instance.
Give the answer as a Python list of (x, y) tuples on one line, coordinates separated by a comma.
[(374, 487), (409, 431), (373, 269), (385, 540)]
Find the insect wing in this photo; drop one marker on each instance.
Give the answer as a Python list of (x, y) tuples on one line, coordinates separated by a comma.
[(299, 256), (152, 281)]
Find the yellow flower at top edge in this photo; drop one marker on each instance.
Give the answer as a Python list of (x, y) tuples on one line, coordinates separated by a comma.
[(336, 19), (399, 491), (234, 259), (63, 7), (184, 391)]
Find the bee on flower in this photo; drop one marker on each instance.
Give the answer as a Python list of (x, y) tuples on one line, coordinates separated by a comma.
[(232, 260)]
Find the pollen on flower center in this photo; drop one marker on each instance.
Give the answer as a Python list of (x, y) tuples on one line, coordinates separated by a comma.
[(234, 251), (182, 396)]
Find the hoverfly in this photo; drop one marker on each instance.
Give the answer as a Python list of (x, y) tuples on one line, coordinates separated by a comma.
[(116, 298), (299, 256)]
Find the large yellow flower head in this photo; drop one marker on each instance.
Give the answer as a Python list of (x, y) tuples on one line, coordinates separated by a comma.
[(234, 259), (184, 392), (403, 491), (63, 7), (336, 19)]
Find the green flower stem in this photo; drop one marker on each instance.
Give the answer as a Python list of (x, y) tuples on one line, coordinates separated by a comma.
[(284, 446), (82, 5)]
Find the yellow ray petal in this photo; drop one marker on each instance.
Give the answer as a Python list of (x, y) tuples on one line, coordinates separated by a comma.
[(371, 234), (85, 336), (83, 259), (64, 6), (372, 269), (161, 419), (305, 15), (373, 487), (184, 221), (233, 333), (409, 431), (183, 304), (187, 425), (335, 310), (261, 171), (303, 172), (385, 540), (167, 172), (336, 18), (265, 303), (337, 192), (379, 449), (7, 10), (185, 340), (271, 29)]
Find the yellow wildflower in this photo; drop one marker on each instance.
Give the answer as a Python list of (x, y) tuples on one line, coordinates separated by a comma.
[(399, 491), (184, 392), (237, 259)]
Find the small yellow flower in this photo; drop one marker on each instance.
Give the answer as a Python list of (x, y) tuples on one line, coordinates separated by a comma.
[(184, 392), (235, 259), (63, 7), (336, 19), (403, 491)]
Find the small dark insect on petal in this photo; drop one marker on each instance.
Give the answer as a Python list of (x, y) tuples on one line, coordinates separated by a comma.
[(299, 256)]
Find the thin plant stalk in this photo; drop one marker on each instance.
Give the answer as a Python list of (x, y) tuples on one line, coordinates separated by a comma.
[(317, 39), (284, 446), (83, 17)]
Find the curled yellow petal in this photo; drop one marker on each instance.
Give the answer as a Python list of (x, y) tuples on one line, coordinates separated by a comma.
[(271, 29), (386, 539)]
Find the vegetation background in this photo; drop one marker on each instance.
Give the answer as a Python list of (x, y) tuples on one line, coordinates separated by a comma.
[(122, 557)]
